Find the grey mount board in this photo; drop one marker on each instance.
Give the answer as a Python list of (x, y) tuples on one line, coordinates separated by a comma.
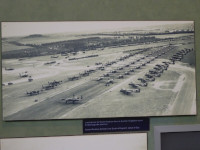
[(66, 10)]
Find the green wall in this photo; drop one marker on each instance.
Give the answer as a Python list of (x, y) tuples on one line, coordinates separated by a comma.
[(71, 10)]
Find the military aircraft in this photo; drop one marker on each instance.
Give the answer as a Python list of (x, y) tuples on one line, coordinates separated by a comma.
[(111, 81), (106, 75), (142, 84), (126, 73), (32, 93), (72, 99), (148, 75), (120, 77), (163, 67), (73, 78), (126, 91), (138, 59), (143, 64), (84, 74), (47, 87), (55, 83), (135, 86), (142, 80), (49, 63), (113, 71), (150, 79), (166, 63), (101, 68), (137, 67), (127, 65), (142, 57), (100, 78), (154, 73), (120, 68), (148, 61), (98, 63), (131, 70), (158, 69)]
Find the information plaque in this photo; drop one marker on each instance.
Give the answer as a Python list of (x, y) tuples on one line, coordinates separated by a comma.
[(115, 125)]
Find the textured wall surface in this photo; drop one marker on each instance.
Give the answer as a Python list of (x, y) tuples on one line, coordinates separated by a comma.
[(83, 10)]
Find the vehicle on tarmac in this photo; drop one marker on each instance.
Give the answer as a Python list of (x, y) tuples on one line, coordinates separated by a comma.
[(10, 83), (9, 69), (23, 75)]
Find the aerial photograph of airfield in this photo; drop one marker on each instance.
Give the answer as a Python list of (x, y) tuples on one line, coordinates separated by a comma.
[(75, 70)]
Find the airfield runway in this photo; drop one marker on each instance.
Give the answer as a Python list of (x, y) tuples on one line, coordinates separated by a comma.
[(174, 93)]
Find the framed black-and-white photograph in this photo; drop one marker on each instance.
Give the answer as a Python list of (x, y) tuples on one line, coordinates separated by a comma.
[(97, 69), (89, 142)]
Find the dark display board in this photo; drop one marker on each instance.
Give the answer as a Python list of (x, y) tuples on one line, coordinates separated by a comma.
[(180, 141), (98, 10)]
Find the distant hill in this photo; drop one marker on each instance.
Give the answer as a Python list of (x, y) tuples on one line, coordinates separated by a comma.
[(35, 36), (172, 27)]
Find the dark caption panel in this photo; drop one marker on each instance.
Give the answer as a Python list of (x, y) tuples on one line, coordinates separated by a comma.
[(115, 125)]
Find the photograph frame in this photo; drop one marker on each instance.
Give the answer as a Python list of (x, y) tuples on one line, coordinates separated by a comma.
[(126, 92), (106, 141)]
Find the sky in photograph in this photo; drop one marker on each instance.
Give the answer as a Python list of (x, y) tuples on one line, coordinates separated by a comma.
[(10, 29)]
